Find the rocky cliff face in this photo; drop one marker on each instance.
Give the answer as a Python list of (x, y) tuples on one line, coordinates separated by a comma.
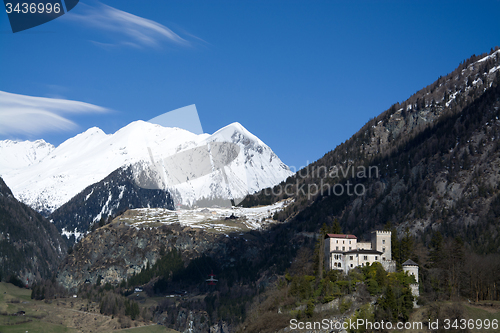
[(116, 251), (193, 321)]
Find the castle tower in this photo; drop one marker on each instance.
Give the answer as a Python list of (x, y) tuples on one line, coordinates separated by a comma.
[(411, 267), (381, 241)]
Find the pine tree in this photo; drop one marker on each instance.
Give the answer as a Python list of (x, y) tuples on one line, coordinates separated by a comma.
[(395, 246), (320, 250), (389, 304), (335, 228), (406, 246), (437, 248)]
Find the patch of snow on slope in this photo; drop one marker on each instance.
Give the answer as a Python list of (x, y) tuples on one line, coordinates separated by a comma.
[(75, 233), (494, 54), (205, 218)]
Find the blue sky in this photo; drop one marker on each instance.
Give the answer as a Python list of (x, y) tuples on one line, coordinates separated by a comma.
[(301, 75)]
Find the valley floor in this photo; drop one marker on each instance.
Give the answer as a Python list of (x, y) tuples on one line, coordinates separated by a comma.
[(19, 313)]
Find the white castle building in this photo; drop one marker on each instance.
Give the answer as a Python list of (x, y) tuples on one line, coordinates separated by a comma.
[(344, 252)]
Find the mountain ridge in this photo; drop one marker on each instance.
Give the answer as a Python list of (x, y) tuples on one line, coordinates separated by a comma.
[(92, 155)]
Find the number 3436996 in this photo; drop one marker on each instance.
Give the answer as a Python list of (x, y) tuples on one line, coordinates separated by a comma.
[(33, 8)]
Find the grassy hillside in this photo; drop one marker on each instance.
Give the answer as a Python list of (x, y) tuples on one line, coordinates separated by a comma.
[(59, 316)]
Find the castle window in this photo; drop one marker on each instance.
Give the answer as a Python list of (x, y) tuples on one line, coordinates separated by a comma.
[(339, 265), (351, 259), (365, 257), (383, 241), (383, 249), (376, 257), (351, 265)]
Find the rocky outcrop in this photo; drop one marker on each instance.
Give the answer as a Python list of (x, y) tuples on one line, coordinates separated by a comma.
[(117, 250), (188, 321), (220, 327)]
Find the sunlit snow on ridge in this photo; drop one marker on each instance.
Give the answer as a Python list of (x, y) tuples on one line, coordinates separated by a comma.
[(204, 218)]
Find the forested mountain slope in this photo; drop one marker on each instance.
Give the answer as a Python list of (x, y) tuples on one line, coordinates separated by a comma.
[(30, 246), (433, 163)]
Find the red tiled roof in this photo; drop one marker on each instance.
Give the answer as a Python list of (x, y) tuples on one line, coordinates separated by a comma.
[(341, 236)]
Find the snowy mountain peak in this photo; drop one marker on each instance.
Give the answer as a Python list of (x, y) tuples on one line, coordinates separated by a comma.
[(236, 126), (230, 163), (235, 133), (91, 136), (93, 131), (137, 126)]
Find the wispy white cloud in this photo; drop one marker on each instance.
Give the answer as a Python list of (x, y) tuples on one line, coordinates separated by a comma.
[(133, 30), (21, 114)]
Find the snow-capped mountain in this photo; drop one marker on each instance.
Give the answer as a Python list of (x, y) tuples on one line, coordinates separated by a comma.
[(228, 164), (17, 155)]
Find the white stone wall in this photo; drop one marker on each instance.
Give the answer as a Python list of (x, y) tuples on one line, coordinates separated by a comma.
[(342, 244), (364, 246), (353, 260), (411, 270), (381, 241), (337, 261), (370, 259), (389, 266), (414, 290), (350, 262)]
